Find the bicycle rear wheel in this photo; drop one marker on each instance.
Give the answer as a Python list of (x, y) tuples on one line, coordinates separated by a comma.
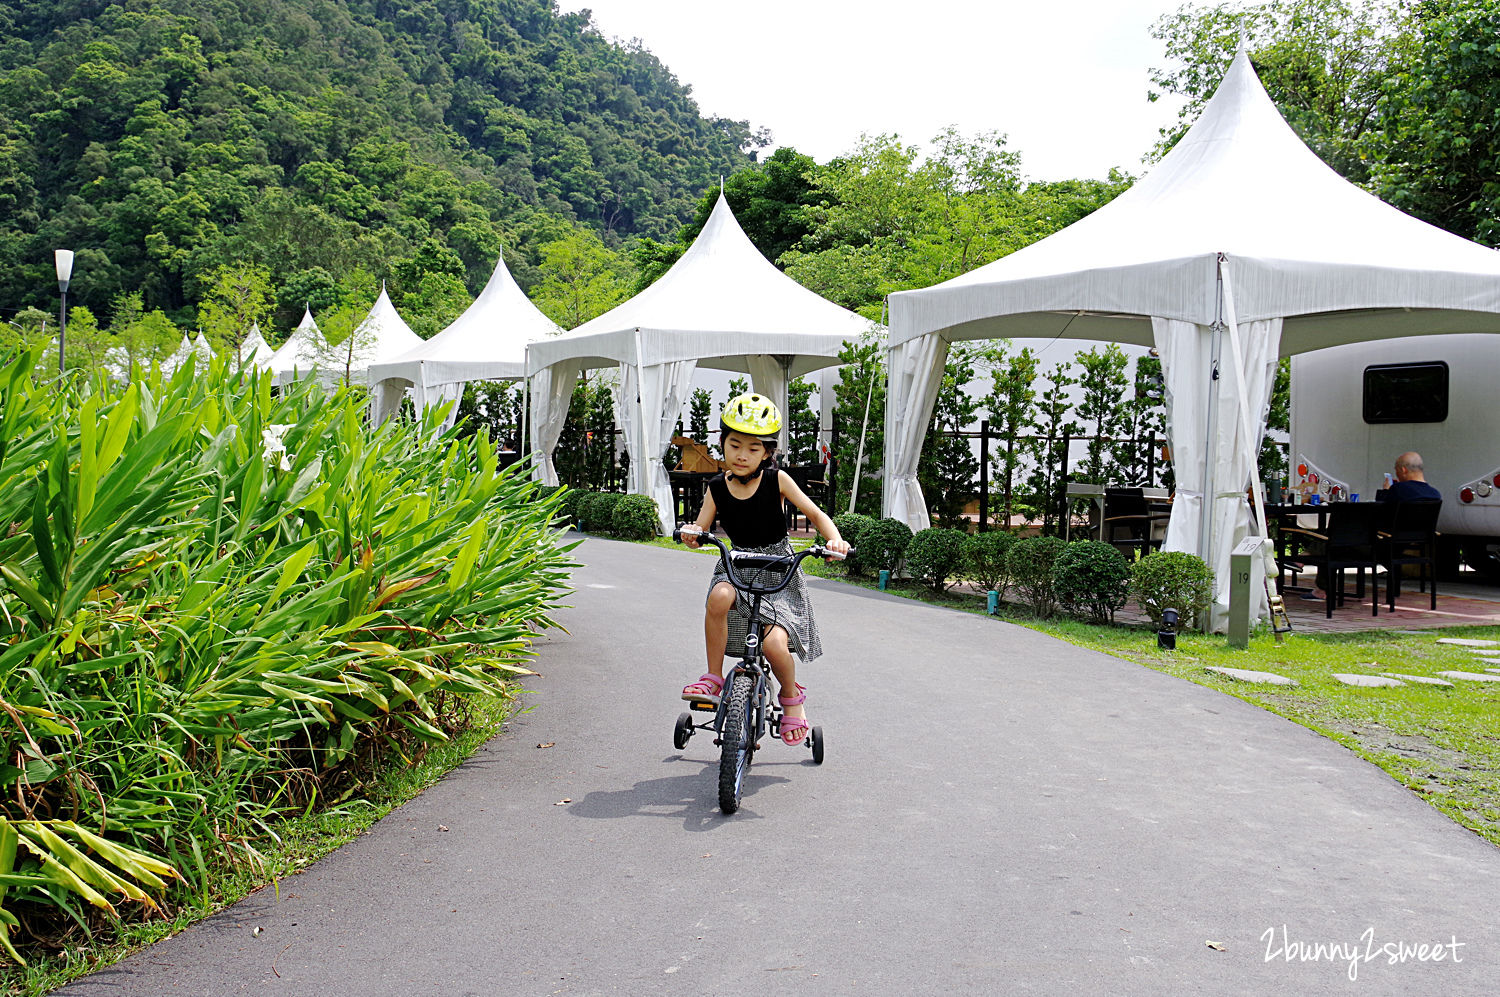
[(737, 742)]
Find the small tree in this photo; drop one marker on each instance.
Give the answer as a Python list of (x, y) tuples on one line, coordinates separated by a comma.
[(1011, 403), (1103, 385), (239, 296), (700, 408), (1053, 425), (802, 423)]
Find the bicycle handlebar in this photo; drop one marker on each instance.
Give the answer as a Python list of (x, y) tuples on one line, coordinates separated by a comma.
[(783, 562)]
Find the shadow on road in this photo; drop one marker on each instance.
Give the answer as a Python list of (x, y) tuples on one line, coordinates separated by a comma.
[(691, 797)]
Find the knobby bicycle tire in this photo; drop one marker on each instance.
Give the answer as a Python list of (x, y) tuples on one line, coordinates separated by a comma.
[(737, 743)]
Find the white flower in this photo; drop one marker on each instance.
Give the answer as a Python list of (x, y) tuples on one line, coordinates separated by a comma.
[(272, 446)]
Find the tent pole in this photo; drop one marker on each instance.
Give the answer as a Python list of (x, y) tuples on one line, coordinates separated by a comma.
[(1206, 519), (521, 444)]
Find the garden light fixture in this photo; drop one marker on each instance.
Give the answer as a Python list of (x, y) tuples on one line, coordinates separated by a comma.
[(1166, 637), (64, 260)]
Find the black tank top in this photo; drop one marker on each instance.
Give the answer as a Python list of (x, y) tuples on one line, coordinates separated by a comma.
[(757, 521)]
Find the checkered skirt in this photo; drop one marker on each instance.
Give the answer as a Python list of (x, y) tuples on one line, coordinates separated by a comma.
[(788, 609)]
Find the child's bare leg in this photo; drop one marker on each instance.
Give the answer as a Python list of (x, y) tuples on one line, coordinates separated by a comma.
[(716, 626), (784, 667)]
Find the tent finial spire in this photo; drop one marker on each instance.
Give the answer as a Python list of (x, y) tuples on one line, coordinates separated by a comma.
[(721, 185)]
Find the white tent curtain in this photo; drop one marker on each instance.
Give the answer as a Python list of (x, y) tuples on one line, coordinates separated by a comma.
[(1225, 463), (385, 400), (551, 393), (425, 396), (915, 375), (769, 374), (648, 401)]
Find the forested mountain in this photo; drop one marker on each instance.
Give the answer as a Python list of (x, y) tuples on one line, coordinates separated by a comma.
[(162, 139)]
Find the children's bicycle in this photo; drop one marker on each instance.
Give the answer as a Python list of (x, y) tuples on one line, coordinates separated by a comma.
[(745, 712)]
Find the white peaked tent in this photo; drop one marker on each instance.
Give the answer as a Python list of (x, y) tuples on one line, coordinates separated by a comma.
[(178, 357), (202, 350), (254, 351), (486, 343), (722, 305), (1239, 247), (381, 336), (298, 356)]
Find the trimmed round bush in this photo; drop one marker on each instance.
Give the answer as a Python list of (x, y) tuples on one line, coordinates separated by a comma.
[(570, 502), (851, 526), (1030, 561), (596, 512), (883, 543), (936, 554), (1173, 579), (1091, 579), (634, 518), (984, 558)]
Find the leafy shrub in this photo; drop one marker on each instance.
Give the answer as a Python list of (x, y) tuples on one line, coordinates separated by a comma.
[(1030, 561), (219, 606), (984, 558), (570, 502), (851, 526), (883, 544), (596, 512), (1091, 579), (936, 554), (634, 518), (1173, 579)]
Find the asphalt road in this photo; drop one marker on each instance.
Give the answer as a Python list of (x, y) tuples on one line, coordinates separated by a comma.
[(999, 812)]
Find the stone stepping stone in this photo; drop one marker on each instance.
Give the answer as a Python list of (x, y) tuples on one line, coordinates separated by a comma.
[(1423, 679), (1368, 681), (1471, 676), (1468, 642), (1485, 652), (1246, 675)]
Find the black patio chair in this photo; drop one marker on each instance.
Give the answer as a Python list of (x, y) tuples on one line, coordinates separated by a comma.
[(1409, 536), (1129, 519), (1350, 542)]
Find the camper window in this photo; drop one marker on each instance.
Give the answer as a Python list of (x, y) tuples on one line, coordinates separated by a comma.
[(1406, 392)]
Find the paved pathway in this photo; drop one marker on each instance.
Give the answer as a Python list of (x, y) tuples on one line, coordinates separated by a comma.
[(1000, 812)]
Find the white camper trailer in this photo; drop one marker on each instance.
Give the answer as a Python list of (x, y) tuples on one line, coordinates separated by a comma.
[(1356, 408)]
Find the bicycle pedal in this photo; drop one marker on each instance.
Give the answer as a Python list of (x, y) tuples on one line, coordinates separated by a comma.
[(703, 707)]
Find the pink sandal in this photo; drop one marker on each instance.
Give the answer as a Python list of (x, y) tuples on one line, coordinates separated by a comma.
[(791, 725), (705, 690)]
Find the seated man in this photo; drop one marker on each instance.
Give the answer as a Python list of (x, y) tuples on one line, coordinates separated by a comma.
[(1410, 484)]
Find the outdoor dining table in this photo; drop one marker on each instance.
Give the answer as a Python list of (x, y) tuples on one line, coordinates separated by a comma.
[(1285, 514)]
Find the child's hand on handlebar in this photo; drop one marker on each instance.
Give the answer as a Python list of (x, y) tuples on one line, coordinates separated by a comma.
[(839, 547), (689, 535)]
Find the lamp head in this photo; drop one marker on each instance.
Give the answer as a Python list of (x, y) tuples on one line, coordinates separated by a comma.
[(64, 259), (1166, 637), (1169, 618)]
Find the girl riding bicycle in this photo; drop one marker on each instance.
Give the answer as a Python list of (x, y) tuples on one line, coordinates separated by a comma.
[(749, 501)]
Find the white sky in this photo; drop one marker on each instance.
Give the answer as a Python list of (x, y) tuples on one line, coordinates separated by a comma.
[(1066, 81)]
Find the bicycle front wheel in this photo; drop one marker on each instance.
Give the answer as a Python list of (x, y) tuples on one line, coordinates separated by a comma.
[(737, 741)]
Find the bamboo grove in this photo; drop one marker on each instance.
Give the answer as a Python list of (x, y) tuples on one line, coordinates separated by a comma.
[(221, 602)]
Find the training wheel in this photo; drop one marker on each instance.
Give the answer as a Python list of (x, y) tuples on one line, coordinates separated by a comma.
[(683, 731), (815, 740)]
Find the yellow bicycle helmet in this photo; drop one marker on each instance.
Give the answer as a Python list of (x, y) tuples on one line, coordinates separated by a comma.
[(753, 415)]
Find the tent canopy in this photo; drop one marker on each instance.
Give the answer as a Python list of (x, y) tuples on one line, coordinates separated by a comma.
[(722, 305), (254, 351), (1241, 245), (486, 343), (721, 301), (1337, 264), (301, 350)]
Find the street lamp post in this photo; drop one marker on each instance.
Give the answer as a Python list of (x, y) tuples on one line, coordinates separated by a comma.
[(64, 275)]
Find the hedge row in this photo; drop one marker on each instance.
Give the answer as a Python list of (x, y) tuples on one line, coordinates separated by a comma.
[(629, 517), (1085, 578)]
